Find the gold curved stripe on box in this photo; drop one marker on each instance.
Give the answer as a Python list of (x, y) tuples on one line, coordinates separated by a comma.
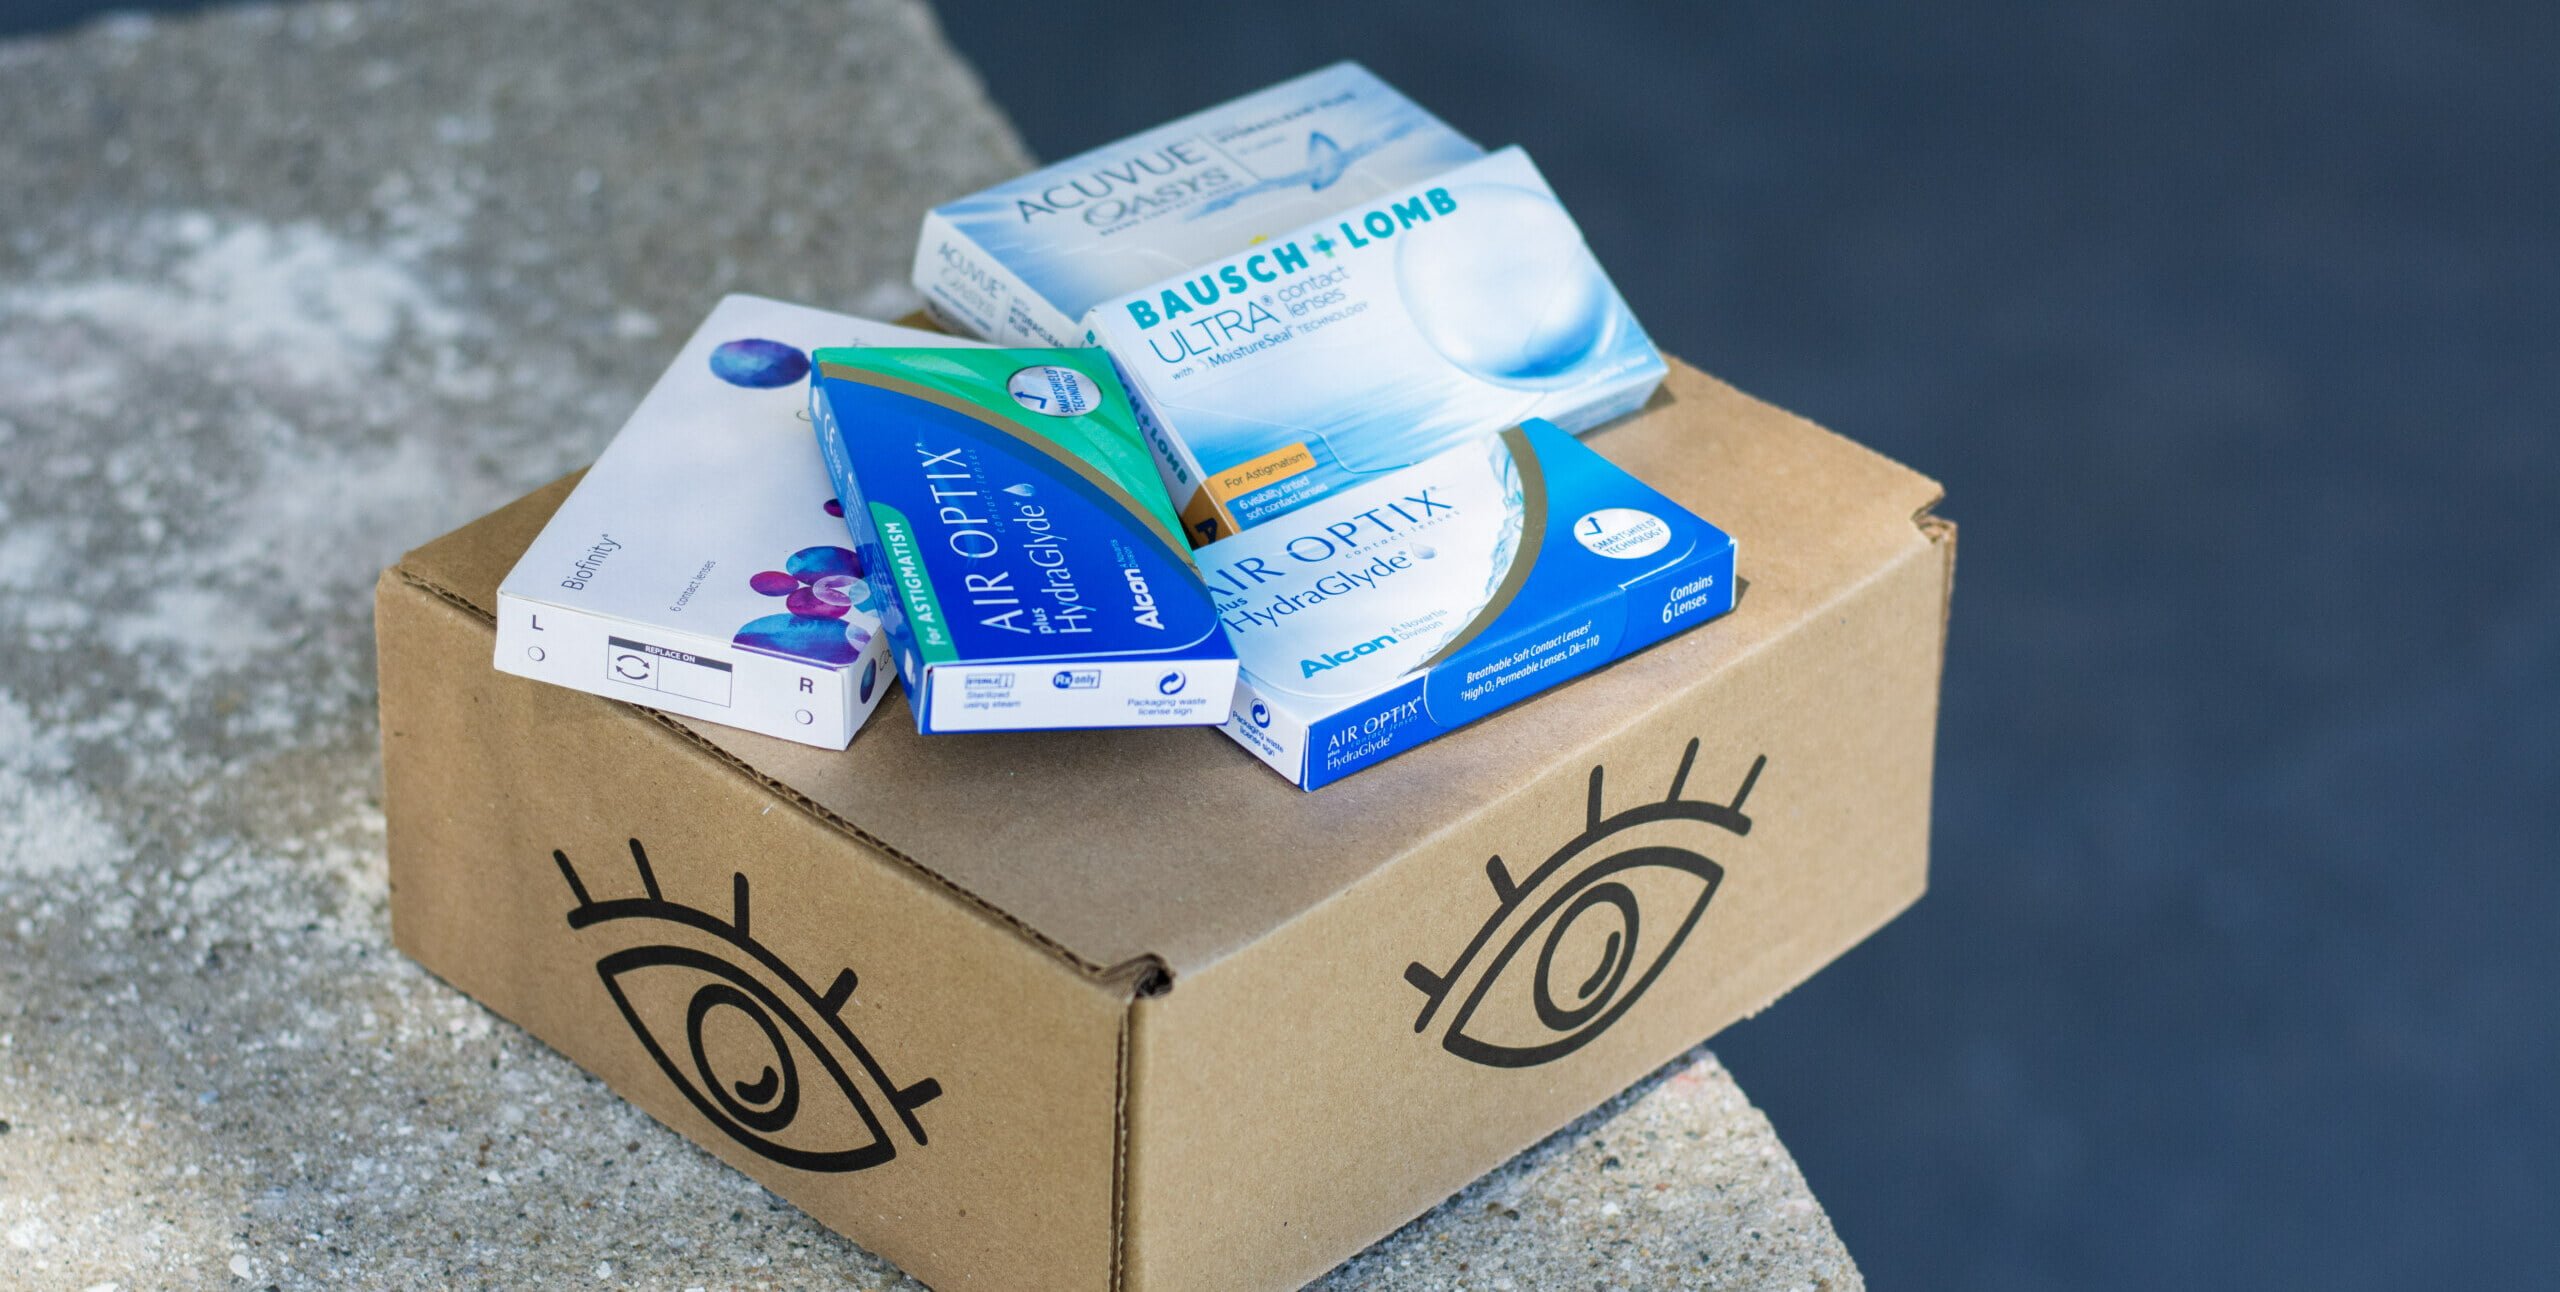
[(979, 413)]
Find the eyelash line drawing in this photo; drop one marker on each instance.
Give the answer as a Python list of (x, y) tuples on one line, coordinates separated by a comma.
[(826, 1006), (1510, 893)]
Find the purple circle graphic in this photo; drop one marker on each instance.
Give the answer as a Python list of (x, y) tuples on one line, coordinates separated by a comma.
[(808, 637), (811, 564), (759, 364)]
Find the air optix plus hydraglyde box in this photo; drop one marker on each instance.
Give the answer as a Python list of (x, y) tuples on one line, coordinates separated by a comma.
[(1020, 263), (1416, 603), (1372, 339), (1026, 561), (700, 566)]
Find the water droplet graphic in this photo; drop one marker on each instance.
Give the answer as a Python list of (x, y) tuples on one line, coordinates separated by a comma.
[(1020, 490), (1325, 161)]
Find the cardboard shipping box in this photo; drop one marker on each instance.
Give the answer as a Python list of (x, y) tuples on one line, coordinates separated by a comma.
[(1125, 1010)]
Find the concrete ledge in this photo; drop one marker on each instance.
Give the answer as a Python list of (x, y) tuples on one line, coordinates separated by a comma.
[(284, 290)]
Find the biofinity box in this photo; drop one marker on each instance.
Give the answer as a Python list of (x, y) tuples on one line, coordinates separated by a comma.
[(700, 567), (1413, 604), (1020, 263), (1373, 339), (1025, 559)]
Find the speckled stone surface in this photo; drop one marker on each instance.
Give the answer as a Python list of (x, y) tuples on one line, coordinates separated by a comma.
[(1678, 1183), (283, 292)]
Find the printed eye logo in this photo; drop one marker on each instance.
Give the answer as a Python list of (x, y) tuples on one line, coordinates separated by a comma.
[(1582, 917), (759, 1053)]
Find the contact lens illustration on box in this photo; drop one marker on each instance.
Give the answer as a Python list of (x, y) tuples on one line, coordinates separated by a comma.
[(701, 566), (1020, 263), (1371, 340), (1028, 568), (1383, 616)]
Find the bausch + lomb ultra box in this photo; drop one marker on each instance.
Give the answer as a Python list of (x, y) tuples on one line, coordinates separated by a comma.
[(1020, 263), (1373, 339), (1384, 615), (1028, 566), (700, 566)]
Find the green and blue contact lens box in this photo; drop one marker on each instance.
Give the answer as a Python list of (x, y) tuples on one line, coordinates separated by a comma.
[(1369, 340), (1020, 263), (1028, 567), (1384, 615), (700, 566)]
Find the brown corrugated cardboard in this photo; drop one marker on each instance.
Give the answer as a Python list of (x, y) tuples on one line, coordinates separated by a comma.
[(1128, 1010)]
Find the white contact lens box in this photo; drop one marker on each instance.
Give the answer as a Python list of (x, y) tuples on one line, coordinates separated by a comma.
[(1369, 340), (702, 566), (1020, 263), (1389, 614)]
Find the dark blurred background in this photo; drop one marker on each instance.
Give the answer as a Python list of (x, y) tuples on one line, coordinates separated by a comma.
[(2234, 333)]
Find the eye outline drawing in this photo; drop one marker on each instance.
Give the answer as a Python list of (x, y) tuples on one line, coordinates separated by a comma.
[(765, 1000), (1606, 994)]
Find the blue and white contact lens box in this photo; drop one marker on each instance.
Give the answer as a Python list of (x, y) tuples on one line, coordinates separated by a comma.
[(1020, 263), (1412, 604), (701, 566), (1029, 570), (1372, 339)]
